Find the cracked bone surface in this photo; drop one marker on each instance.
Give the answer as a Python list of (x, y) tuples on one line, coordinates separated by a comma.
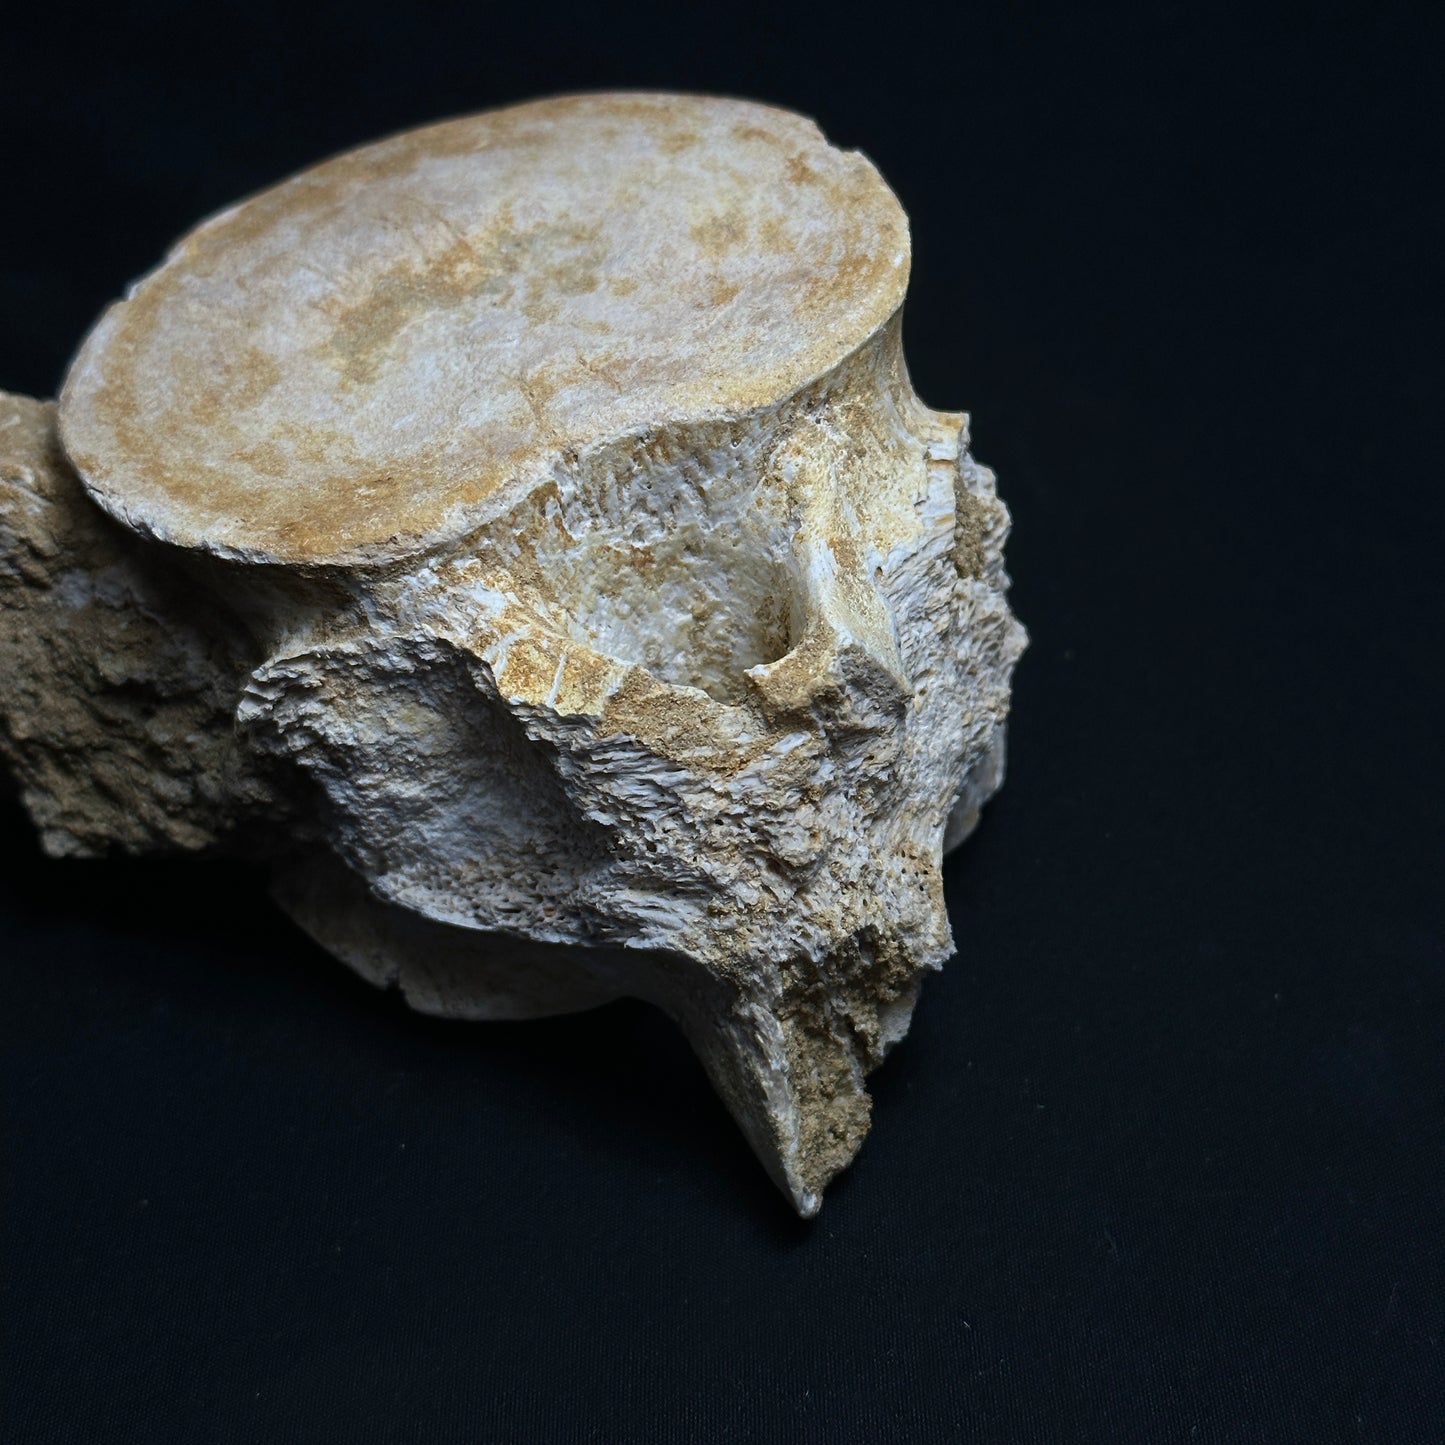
[(524, 533)]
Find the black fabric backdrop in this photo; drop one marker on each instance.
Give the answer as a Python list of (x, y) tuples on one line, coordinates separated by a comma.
[(1162, 1157)]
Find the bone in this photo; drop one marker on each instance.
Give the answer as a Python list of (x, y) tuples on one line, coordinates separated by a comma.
[(524, 534)]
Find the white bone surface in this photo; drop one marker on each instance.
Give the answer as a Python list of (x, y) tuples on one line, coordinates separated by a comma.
[(525, 532)]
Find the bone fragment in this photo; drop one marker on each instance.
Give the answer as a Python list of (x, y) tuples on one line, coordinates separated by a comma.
[(523, 531)]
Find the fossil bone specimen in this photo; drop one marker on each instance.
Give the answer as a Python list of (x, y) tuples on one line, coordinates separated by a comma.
[(523, 531)]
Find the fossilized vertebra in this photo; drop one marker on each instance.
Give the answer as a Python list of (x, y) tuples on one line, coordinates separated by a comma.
[(525, 530)]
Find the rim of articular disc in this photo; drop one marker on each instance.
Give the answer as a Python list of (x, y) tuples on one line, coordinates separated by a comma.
[(369, 358)]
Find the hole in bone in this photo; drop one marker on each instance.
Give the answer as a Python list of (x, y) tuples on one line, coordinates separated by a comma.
[(676, 554)]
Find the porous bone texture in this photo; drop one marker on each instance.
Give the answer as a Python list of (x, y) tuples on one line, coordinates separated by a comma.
[(678, 689)]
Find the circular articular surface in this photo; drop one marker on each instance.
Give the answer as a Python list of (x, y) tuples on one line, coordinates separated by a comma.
[(362, 361)]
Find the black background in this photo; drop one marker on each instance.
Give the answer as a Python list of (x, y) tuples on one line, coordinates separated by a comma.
[(1162, 1158)]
